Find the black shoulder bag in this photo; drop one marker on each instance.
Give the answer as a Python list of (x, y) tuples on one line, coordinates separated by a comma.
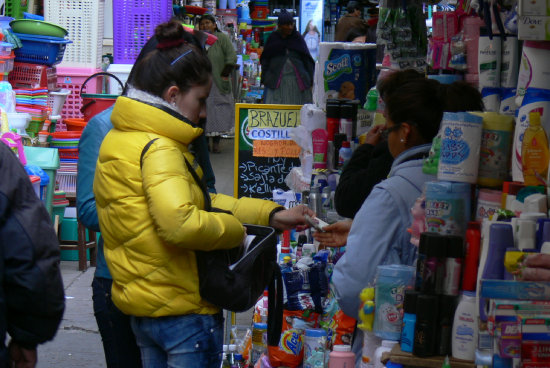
[(237, 288)]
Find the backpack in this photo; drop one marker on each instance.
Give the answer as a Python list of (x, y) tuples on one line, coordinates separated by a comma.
[(237, 288)]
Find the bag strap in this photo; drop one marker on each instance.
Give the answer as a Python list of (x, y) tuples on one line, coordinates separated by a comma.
[(202, 184), (144, 151)]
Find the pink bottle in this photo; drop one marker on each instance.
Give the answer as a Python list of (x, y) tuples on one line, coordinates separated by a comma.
[(341, 357)]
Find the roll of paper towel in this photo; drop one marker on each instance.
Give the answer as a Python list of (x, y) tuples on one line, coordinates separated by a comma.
[(341, 71)]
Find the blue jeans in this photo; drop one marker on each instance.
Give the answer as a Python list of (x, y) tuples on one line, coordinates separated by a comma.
[(119, 342), (188, 341)]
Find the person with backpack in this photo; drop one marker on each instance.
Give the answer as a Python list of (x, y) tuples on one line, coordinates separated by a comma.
[(153, 207)]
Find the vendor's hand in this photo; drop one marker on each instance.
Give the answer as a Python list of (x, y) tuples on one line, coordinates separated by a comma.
[(21, 357), (536, 267), (374, 135), (291, 218), (334, 235)]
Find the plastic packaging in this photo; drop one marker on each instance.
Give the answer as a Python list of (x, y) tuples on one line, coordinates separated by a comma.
[(387, 345), (460, 147), (259, 341), (447, 207), (465, 330), (496, 142), (488, 202), (341, 357), (315, 343), (392, 280)]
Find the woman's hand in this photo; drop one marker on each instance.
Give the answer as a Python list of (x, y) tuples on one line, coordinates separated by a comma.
[(374, 135), (536, 268), (335, 235), (291, 218)]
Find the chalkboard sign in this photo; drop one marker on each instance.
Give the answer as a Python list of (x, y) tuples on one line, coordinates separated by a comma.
[(264, 151)]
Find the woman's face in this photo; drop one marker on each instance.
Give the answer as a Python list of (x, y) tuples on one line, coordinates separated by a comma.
[(392, 130), (192, 104), (286, 29), (207, 25)]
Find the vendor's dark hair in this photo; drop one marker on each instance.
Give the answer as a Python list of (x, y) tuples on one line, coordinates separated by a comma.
[(353, 6), (392, 82), (461, 96), (175, 61), (355, 32), (417, 102)]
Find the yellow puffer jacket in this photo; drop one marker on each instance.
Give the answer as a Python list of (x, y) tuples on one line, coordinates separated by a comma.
[(152, 218)]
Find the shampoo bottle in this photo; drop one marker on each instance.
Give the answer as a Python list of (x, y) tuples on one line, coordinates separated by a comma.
[(534, 152)]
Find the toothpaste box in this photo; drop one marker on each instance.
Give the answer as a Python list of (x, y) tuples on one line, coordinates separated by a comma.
[(532, 27), (534, 7)]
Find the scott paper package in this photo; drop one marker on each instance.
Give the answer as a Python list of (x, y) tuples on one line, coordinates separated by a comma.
[(341, 72)]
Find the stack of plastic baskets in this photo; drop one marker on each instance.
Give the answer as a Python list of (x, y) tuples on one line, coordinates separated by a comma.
[(73, 78), (59, 203), (135, 24), (38, 49), (83, 19), (15, 8), (33, 76)]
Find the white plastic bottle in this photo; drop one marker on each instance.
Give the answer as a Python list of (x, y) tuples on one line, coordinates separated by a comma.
[(465, 331), (386, 345)]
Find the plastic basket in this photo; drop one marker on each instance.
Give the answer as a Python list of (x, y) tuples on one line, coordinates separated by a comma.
[(93, 103), (83, 19), (33, 76), (67, 183), (40, 49), (75, 124), (73, 79), (135, 24), (15, 9)]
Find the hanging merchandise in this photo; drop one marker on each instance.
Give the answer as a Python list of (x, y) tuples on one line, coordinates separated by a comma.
[(402, 30)]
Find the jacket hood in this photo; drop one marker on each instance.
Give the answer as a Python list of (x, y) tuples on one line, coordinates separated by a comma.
[(133, 115), (408, 158)]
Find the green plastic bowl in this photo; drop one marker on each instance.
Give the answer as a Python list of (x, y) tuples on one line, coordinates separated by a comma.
[(37, 27)]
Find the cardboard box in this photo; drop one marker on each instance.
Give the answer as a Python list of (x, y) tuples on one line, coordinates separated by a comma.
[(536, 28), (534, 7)]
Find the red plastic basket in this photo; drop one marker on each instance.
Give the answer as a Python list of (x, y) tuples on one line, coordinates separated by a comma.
[(75, 124), (68, 153), (66, 135), (33, 76), (135, 24)]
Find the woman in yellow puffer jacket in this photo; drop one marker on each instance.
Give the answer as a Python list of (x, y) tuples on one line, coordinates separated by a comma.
[(151, 210)]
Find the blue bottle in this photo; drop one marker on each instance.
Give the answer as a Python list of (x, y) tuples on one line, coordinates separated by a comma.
[(409, 321)]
